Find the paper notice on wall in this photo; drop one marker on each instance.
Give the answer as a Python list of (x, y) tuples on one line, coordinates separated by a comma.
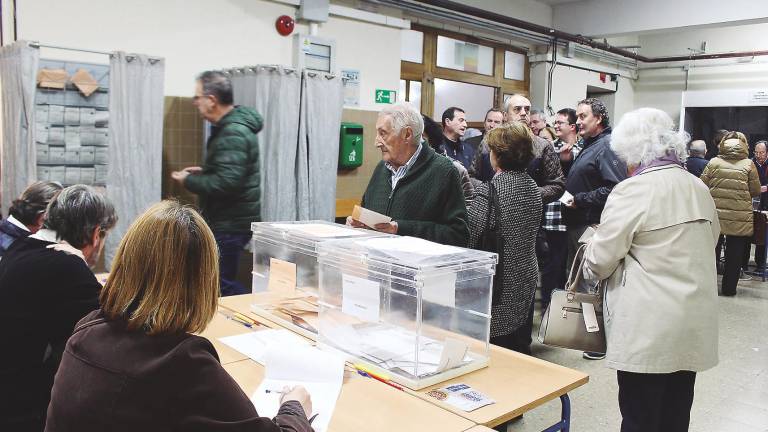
[(282, 276), (361, 298), (351, 81)]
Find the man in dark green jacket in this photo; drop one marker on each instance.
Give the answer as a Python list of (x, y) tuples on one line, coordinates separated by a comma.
[(418, 188), (228, 183)]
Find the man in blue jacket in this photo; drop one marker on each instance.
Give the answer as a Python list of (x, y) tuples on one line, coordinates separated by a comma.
[(594, 173)]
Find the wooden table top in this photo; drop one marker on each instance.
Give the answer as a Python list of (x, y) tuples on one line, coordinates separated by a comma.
[(517, 382)]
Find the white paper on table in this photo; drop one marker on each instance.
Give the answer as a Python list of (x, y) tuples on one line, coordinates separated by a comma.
[(255, 344), (440, 289), (322, 230), (361, 297), (369, 217), (320, 372), (566, 198)]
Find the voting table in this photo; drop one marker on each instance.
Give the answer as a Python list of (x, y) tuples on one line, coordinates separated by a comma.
[(516, 382)]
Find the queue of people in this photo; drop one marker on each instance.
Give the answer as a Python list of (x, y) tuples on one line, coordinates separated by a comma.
[(538, 187)]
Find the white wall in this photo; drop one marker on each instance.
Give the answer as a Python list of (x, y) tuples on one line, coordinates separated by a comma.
[(614, 17), (195, 35), (570, 86), (526, 10), (662, 88)]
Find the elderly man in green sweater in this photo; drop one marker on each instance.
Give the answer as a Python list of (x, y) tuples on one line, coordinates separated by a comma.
[(418, 188)]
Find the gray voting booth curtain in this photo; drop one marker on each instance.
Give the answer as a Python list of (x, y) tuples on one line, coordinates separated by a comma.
[(299, 142), (18, 157), (136, 139), (322, 102), (275, 92)]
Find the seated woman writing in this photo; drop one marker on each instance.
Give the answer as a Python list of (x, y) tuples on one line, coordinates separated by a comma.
[(134, 364)]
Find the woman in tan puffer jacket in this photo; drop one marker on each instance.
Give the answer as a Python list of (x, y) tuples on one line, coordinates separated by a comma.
[(733, 181)]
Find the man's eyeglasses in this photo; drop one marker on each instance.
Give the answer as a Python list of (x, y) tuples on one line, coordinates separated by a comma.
[(562, 123)]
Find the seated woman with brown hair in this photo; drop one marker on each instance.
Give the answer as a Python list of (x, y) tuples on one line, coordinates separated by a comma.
[(134, 365)]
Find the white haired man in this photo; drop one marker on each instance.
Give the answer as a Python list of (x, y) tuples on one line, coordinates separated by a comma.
[(696, 161), (412, 184)]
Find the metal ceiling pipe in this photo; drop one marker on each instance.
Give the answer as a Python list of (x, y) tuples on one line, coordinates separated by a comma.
[(579, 39)]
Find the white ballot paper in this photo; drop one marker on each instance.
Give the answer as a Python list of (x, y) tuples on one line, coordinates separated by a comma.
[(369, 217), (567, 197), (321, 373), (256, 344), (322, 230)]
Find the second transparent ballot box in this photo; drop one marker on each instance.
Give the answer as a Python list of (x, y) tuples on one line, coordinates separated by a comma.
[(285, 253), (415, 311)]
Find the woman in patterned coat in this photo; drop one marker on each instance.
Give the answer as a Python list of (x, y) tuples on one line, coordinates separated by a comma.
[(519, 207)]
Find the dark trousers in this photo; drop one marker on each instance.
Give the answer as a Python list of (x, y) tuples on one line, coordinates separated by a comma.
[(574, 233), (734, 259), (759, 256), (230, 247), (520, 339), (553, 272), (655, 402)]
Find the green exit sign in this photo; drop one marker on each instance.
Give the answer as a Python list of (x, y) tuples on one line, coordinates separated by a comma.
[(386, 96)]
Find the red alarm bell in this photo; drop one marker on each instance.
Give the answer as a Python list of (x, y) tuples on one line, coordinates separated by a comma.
[(284, 25)]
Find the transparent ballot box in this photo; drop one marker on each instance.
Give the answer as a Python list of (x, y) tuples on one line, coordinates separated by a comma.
[(290, 249), (414, 311), (285, 269)]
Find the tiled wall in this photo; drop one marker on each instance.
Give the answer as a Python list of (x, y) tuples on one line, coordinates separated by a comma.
[(182, 144)]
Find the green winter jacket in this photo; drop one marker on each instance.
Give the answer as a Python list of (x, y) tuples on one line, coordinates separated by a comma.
[(428, 202), (733, 180), (229, 184)]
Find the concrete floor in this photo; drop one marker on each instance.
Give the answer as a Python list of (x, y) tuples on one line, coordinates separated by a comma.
[(732, 397)]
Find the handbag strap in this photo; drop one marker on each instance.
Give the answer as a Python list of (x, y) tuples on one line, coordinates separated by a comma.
[(576, 270), (493, 206)]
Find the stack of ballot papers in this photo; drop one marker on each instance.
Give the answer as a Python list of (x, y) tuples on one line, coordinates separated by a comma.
[(256, 344), (320, 372)]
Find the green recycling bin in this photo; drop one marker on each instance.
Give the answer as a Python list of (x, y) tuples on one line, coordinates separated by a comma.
[(351, 145)]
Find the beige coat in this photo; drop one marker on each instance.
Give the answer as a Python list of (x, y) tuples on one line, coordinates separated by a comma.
[(733, 180), (656, 244)]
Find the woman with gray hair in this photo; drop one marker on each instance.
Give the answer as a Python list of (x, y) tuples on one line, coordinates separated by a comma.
[(655, 245), (44, 292)]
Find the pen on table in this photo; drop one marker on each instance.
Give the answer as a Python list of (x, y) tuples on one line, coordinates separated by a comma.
[(248, 323)]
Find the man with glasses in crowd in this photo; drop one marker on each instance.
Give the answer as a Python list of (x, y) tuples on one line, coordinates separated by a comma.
[(567, 145)]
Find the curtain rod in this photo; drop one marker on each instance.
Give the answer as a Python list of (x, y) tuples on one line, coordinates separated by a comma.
[(129, 57)]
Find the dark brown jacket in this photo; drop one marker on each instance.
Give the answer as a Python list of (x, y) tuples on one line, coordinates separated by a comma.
[(116, 380)]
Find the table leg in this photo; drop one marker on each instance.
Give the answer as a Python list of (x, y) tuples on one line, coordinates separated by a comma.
[(564, 424)]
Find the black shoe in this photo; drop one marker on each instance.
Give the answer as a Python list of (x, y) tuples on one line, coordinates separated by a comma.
[(593, 355)]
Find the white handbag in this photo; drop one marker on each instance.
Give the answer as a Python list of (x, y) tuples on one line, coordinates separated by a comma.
[(563, 324)]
